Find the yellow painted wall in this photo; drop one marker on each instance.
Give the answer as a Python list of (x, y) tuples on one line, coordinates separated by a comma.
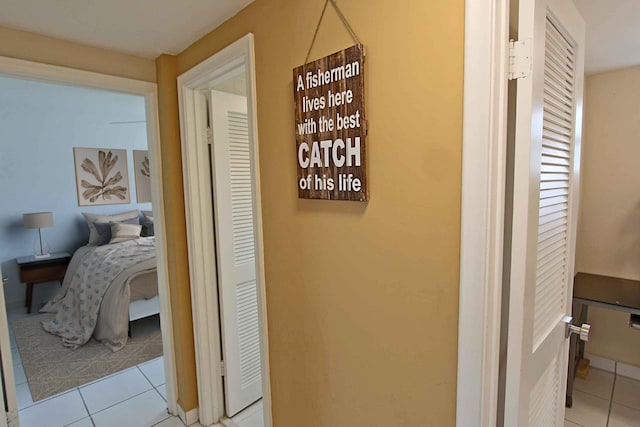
[(609, 228), (362, 297), (176, 233), (47, 50)]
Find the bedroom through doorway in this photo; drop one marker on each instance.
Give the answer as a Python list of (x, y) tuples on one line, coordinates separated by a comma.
[(101, 233)]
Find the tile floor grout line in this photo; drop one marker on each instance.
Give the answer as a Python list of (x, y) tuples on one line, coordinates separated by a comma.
[(122, 401), (154, 387), (30, 397), (25, 376), (150, 382), (635, 408), (596, 396), (90, 416), (163, 398), (59, 395), (613, 389), (146, 362), (628, 406), (96, 381), (86, 407), (165, 419), (145, 377), (62, 393), (592, 394)]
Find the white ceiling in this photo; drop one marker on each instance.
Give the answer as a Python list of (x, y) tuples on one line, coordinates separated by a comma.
[(150, 27), (613, 33), (141, 27)]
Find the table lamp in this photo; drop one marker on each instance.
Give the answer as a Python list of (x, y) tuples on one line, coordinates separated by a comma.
[(39, 220)]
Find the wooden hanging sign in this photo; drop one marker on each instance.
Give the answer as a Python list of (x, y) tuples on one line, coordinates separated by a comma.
[(330, 127)]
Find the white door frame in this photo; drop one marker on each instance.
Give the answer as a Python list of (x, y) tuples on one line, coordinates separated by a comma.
[(9, 413), (200, 222), (10, 67), (483, 195)]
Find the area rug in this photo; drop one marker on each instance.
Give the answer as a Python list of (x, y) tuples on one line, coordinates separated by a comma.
[(52, 368)]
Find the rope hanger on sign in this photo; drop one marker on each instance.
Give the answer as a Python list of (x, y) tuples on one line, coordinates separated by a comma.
[(344, 22)]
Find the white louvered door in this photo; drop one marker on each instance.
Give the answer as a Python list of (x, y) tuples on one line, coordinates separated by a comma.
[(545, 205), (235, 241)]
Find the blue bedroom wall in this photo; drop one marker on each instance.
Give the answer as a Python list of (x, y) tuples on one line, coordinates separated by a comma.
[(40, 124)]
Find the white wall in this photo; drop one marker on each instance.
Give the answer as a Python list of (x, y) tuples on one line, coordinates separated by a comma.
[(39, 126), (609, 227)]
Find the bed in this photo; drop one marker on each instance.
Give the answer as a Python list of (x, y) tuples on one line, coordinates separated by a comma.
[(106, 287)]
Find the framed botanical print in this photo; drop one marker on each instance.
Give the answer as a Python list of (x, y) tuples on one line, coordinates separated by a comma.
[(102, 177), (143, 182)]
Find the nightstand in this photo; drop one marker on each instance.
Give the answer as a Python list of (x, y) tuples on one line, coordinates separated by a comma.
[(40, 270)]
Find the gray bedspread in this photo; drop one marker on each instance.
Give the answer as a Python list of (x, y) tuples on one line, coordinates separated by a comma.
[(94, 298)]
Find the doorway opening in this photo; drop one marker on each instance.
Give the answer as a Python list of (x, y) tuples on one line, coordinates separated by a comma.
[(224, 230), (143, 96)]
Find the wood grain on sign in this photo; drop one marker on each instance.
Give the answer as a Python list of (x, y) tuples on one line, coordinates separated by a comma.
[(330, 127)]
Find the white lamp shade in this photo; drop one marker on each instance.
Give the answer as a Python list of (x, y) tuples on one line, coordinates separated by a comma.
[(38, 220)]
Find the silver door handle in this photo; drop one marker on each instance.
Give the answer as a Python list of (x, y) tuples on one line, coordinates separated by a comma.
[(5, 280), (581, 331)]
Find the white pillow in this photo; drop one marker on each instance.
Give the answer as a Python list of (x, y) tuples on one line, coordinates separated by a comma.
[(121, 232), (91, 218), (148, 215)]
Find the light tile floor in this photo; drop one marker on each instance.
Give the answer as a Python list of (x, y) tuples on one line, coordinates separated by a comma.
[(604, 399), (250, 417), (135, 397)]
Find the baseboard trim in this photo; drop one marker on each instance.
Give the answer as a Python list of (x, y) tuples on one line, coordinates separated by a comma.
[(188, 418), (628, 371), (613, 366), (601, 363), (14, 304)]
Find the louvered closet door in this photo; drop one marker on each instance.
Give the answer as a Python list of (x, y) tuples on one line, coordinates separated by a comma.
[(235, 241), (547, 145)]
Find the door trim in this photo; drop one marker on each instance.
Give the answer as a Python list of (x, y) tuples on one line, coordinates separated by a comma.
[(200, 232), (17, 68), (8, 398), (483, 200)]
